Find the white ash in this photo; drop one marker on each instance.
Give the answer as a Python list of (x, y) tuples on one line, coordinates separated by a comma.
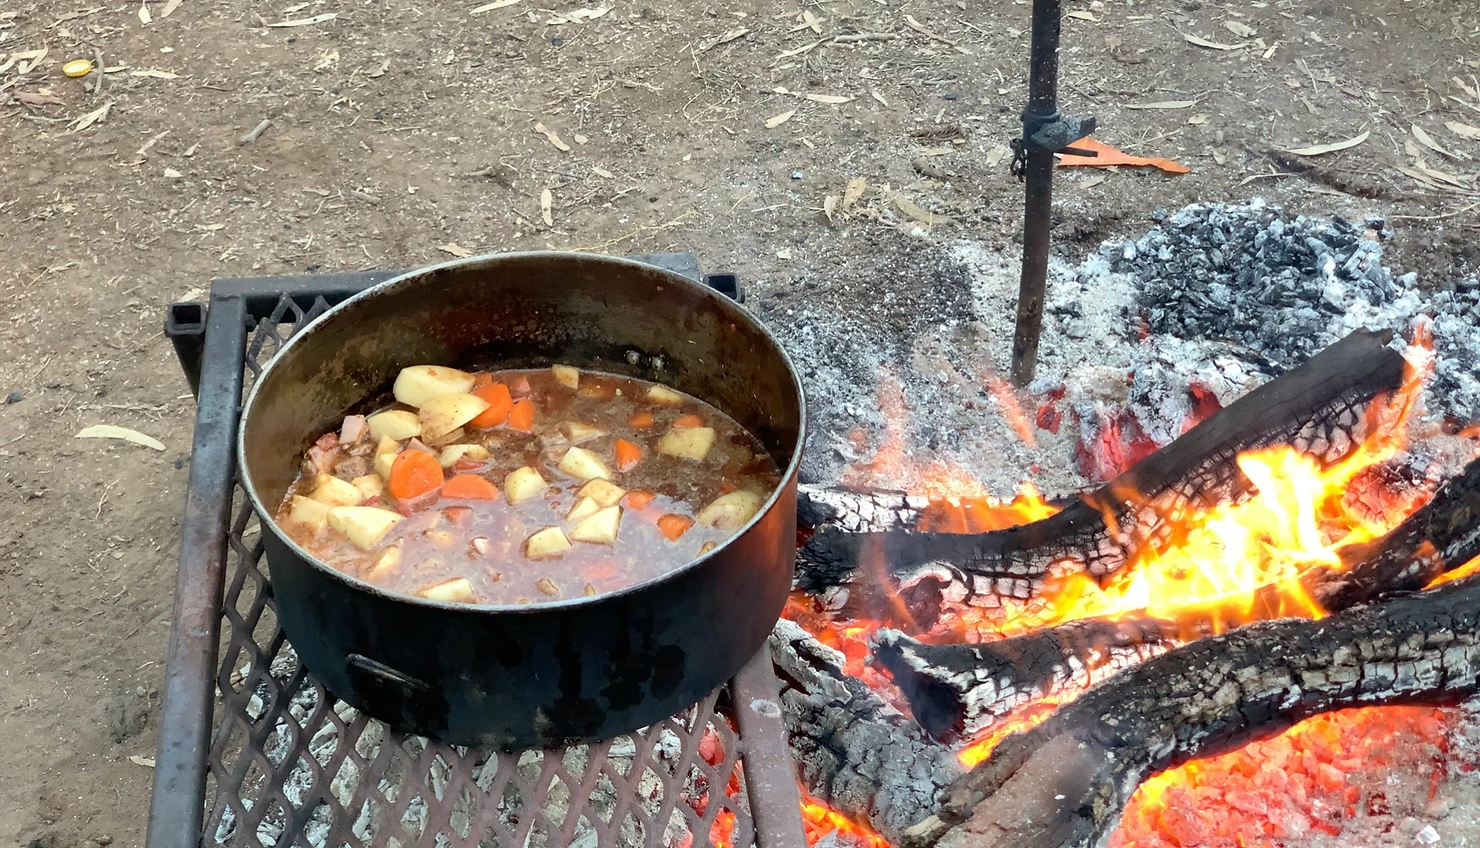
[(1283, 288)]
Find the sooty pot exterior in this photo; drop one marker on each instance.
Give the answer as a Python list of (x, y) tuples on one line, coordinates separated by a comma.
[(540, 675)]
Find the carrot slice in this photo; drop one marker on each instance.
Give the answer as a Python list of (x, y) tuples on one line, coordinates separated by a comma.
[(637, 499), (688, 421), (481, 379), (499, 404), (413, 474), (458, 515), (674, 526), (521, 415), (470, 487), (641, 420), (628, 455), (520, 385)]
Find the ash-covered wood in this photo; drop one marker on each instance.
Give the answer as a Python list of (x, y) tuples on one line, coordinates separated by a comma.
[(1066, 782), (959, 691), (854, 752), (1318, 408)]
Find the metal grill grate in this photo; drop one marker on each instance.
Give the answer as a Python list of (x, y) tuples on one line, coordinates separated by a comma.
[(290, 765)]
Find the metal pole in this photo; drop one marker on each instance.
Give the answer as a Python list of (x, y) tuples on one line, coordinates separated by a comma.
[(1043, 95)]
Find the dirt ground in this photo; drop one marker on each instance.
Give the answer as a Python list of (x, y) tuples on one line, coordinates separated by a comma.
[(404, 133)]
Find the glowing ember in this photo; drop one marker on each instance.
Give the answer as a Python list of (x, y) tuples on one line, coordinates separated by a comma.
[(1024, 719), (1317, 776), (984, 514), (819, 820)]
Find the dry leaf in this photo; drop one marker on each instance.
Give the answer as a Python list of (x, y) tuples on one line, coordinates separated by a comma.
[(577, 15), (108, 431), (489, 7), (146, 762), (783, 253), (1163, 104), (1330, 148), (1239, 29), (602, 172), (995, 156), (298, 22), (830, 205), (777, 120), (1082, 15), (172, 174), (1110, 157), (827, 98), (935, 151), (455, 249), (169, 8), (924, 216), (879, 97), (550, 134), (797, 52), (732, 35), (1463, 130), (1093, 181), (327, 60), (580, 139), (853, 191), (547, 200), (811, 21), (1197, 120), (1428, 141), (26, 60), (1211, 45), (144, 16), (92, 117), (380, 71), (32, 98), (153, 74)]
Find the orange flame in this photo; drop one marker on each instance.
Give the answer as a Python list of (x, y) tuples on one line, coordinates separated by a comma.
[(1025, 718), (819, 820), (1011, 409)]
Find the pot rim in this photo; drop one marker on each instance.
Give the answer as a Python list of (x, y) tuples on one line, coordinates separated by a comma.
[(264, 516)]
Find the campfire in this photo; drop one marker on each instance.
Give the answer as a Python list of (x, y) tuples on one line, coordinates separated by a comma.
[(1248, 634)]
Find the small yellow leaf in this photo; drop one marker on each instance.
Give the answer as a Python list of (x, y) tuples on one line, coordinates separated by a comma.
[(854, 191), (830, 205), (455, 249), (547, 200), (552, 136), (827, 98), (1211, 45), (777, 120), (1330, 148)]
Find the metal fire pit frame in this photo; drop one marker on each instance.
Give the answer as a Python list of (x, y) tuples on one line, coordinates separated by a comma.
[(202, 701)]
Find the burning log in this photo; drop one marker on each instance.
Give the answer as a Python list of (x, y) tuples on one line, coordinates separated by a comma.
[(958, 691), (1065, 782), (1318, 408), (854, 752)]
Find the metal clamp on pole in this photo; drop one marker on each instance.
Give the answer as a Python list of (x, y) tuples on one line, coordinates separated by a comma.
[(1052, 132)]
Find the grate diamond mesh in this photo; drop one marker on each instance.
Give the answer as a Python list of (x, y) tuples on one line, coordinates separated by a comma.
[(292, 766)]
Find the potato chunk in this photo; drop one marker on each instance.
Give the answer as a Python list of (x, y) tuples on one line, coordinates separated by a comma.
[(567, 375), (578, 432), (394, 424), (307, 512), (370, 486), (584, 508), (523, 484), (383, 463), (420, 383), (452, 453), (384, 566), (600, 527), (456, 591), (603, 492), (442, 414), (730, 512), (388, 445), (328, 489), (664, 396), (584, 465), (364, 526), (548, 543), (687, 442)]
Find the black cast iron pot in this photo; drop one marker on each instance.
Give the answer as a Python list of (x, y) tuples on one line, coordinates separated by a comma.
[(548, 674)]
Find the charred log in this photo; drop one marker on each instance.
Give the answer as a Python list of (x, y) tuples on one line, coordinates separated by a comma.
[(958, 691), (853, 751), (1318, 408), (1066, 782)]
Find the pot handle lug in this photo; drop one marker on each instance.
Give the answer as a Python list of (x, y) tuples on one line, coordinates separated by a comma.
[(372, 676)]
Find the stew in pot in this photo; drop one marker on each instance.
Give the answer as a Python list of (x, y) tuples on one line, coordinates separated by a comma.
[(524, 486)]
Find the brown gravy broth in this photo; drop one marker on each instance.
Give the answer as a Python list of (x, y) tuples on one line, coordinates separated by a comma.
[(439, 537)]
